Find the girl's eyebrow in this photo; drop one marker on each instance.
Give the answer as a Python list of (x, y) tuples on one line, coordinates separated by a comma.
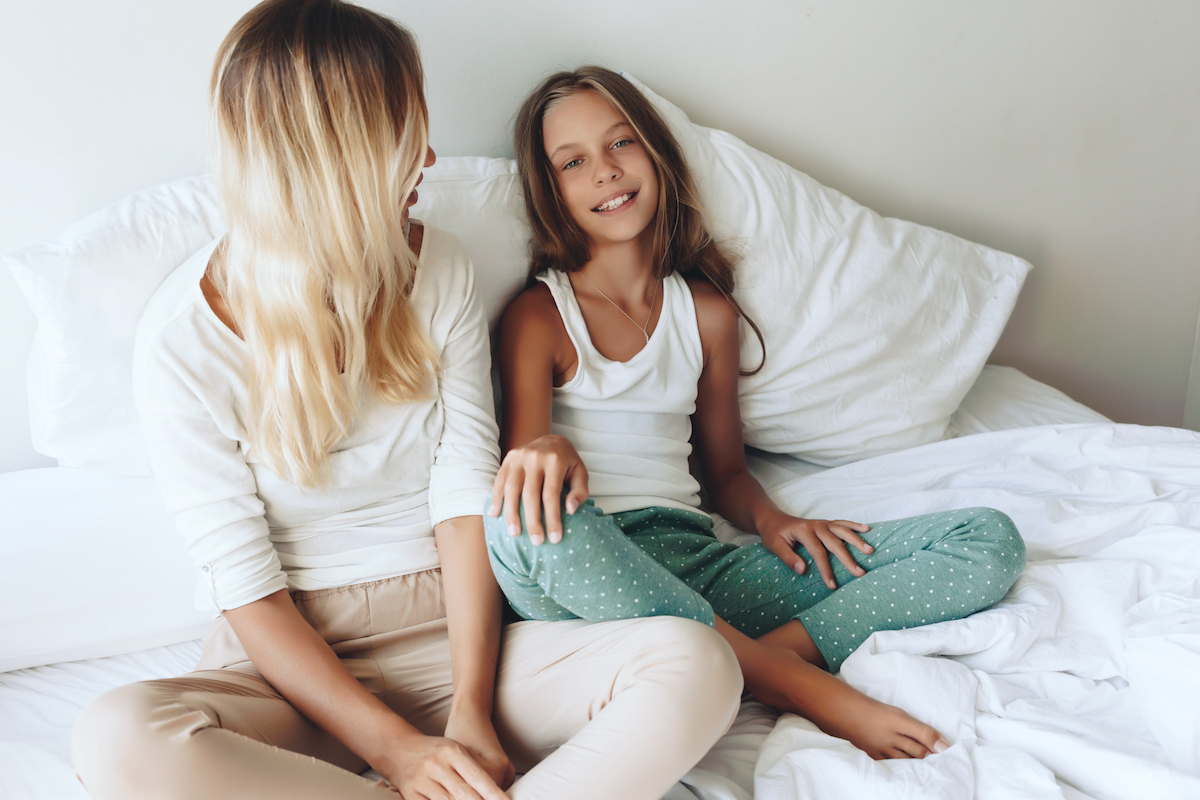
[(576, 144)]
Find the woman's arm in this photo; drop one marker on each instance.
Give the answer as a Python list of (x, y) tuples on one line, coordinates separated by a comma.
[(535, 351), (473, 618), (298, 662), (734, 492)]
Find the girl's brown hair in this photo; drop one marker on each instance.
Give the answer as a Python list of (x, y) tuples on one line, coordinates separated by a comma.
[(682, 241)]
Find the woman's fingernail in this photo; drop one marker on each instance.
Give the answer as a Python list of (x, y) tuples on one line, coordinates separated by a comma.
[(799, 569), (555, 537), (493, 511), (535, 539), (571, 506), (832, 585), (940, 746), (514, 530)]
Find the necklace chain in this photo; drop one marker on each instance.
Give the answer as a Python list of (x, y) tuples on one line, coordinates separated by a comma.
[(643, 328)]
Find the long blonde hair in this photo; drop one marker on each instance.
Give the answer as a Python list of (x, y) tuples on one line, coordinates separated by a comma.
[(682, 241), (319, 132)]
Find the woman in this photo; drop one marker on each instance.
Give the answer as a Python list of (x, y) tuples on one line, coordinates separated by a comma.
[(314, 386)]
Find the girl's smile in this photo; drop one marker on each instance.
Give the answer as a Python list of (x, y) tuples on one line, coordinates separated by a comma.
[(605, 175)]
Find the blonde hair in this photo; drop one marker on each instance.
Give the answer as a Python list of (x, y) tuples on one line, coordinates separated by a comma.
[(682, 241), (319, 132)]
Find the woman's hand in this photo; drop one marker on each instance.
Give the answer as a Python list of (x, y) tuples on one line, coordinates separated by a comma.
[(819, 537), (534, 475), (474, 731), (432, 767)]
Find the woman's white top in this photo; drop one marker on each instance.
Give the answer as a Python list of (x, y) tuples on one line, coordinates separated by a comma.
[(402, 469), (631, 420)]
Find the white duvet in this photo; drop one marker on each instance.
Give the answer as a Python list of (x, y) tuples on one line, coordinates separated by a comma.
[(1083, 683)]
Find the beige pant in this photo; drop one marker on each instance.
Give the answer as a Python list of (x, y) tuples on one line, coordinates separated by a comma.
[(587, 710)]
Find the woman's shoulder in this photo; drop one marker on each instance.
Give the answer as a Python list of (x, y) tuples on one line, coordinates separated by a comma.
[(175, 311)]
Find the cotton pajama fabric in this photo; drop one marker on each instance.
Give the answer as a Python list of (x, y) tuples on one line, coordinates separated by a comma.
[(666, 561), (588, 711)]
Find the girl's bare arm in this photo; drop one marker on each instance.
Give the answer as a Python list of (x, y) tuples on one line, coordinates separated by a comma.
[(534, 351), (734, 492)]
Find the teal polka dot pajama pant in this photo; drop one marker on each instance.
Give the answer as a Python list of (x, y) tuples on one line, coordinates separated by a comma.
[(666, 561)]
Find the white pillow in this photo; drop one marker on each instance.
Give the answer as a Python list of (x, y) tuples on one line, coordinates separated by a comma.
[(91, 567), (875, 328), (88, 287)]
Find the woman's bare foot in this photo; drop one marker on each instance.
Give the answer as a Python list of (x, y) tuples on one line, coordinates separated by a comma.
[(780, 677)]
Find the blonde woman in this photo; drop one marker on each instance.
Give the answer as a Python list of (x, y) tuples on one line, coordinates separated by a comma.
[(315, 387)]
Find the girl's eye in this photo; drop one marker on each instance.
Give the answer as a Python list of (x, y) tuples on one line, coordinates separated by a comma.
[(574, 162), (623, 143)]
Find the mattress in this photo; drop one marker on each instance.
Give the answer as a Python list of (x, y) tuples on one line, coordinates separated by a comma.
[(1079, 685)]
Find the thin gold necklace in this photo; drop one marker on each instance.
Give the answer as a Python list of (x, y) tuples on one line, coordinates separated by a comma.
[(642, 328)]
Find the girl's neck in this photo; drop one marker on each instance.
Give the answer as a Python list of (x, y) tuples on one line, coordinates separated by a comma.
[(623, 270)]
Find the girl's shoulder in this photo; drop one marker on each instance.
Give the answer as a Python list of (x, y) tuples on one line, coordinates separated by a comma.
[(712, 307), (534, 307)]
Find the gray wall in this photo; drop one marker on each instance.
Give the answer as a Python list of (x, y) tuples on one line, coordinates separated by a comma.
[(1065, 132)]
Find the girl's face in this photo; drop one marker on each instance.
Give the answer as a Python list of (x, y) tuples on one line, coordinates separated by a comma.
[(604, 174), (430, 157)]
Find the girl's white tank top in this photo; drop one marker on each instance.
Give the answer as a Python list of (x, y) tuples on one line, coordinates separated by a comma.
[(631, 420)]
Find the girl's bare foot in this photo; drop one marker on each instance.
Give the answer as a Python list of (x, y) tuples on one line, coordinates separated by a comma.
[(785, 680)]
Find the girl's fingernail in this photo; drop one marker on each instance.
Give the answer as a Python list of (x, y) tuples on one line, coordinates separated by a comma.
[(941, 746), (555, 537), (571, 506), (832, 585), (535, 539), (493, 511), (514, 530)]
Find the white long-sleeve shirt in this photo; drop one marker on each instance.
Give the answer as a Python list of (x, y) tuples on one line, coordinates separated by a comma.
[(402, 469)]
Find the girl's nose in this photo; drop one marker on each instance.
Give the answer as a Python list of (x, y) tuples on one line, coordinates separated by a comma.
[(607, 172)]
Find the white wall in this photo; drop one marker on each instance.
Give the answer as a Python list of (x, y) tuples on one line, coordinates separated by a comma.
[(1065, 132)]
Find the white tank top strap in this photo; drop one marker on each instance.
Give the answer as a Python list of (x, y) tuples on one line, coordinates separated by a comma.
[(631, 420)]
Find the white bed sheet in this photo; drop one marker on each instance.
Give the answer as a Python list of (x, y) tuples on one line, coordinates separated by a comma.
[(1078, 686)]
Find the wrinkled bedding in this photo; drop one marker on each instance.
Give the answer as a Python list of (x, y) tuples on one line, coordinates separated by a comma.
[(1083, 683)]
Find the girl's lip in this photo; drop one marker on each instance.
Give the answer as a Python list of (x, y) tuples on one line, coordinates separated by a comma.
[(633, 197)]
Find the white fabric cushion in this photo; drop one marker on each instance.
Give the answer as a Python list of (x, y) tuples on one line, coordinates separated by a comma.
[(88, 287), (91, 567), (875, 328)]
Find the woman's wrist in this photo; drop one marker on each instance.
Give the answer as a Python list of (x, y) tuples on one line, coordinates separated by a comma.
[(469, 706)]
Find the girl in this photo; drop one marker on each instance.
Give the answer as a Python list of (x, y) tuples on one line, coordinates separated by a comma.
[(629, 335), (315, 386)]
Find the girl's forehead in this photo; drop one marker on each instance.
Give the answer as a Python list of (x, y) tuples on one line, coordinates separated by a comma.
[(577, 119)]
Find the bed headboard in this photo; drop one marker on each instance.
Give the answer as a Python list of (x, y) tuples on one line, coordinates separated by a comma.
[(1062, 133)]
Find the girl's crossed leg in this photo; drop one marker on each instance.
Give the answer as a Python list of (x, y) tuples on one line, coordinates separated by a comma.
[(664, 561)]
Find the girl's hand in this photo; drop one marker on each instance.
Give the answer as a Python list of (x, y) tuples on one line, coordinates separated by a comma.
[(474, 731), (534, 475), (817, 536), (432, 766)]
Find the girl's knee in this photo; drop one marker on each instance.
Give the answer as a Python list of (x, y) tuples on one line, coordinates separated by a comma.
[(1005, 551)]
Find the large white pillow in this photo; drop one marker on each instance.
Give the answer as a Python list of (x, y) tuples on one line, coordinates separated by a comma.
[(91, 567), (875, 328), (89, 285)]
